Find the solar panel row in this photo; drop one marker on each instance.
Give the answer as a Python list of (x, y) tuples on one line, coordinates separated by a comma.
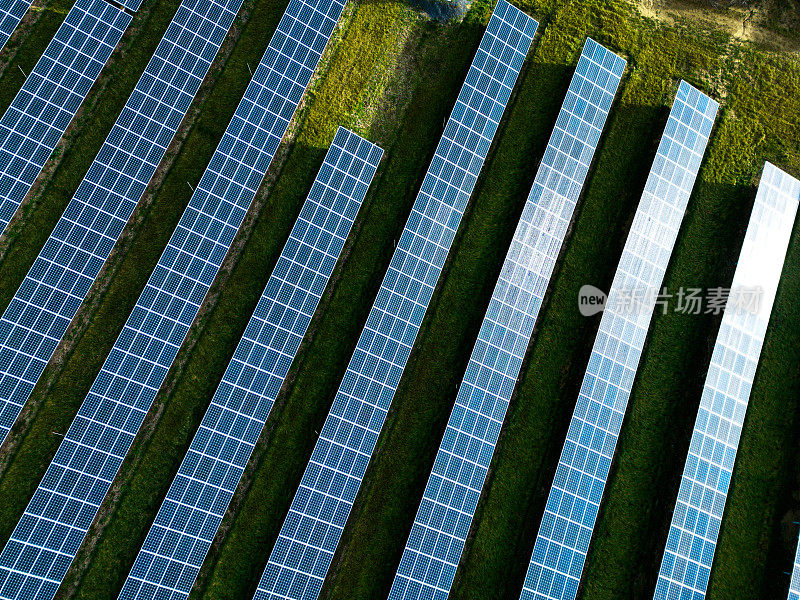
[(51, 293), (51, 95), (692, 539), (187, 521), (10, 16), (566, 529), (311, 531), (437, 538), (44, 542)]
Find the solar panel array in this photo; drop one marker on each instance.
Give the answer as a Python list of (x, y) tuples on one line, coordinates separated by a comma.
[(443, 519), (10, 16), (48, 535), (51, 95), (692, 539), (187, 521), (311, 531), (566, 529), (57, 283)]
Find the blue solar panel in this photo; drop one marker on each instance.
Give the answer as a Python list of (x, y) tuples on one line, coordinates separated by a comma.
[(692, 539), (132, 5), (566, 529), (11, 14), (794, 584), (311, 531), (57, 283), (48, 535), (52, 94), (187, 521), (443, 519)]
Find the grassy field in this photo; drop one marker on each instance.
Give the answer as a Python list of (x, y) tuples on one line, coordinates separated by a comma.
[(392, 74)]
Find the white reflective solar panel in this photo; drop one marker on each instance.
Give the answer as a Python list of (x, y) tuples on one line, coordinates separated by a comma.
[(11, 13), (187, 521), (44, 542), (566, 529), (311, 531), (57, 283), (443, 519), (51, 95), (692, 539)]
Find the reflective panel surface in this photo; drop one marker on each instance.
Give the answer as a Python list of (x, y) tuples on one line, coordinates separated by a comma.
[(692, 539), (568, 522), (440, 529)]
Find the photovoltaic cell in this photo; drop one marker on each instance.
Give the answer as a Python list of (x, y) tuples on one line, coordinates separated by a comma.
[(443, 519), (311, 531), (692, 539), (187, 521), (57, 283), (10, 16), (51, 95), (44, 542), (566, 529)]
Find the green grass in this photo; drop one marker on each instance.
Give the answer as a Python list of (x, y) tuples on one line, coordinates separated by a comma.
[(393, 76)]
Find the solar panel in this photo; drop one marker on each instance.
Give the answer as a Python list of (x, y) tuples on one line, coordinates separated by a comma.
[(48, 535), (132, 5), (10, 16), (566, 529), (794, 584), (311, 531), (51, 293), (52, 94), (692, 539), (187, 521), (437, 538)]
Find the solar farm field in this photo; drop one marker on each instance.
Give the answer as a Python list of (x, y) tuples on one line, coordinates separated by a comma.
[(391, 74)]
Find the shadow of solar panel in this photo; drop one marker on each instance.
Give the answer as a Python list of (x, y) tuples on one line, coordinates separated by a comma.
[(437, 538), (311, 531), (57, 283), (187, 521), (36, 558), (51, 95), (10, 16), (694, 529), (566, 529)]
